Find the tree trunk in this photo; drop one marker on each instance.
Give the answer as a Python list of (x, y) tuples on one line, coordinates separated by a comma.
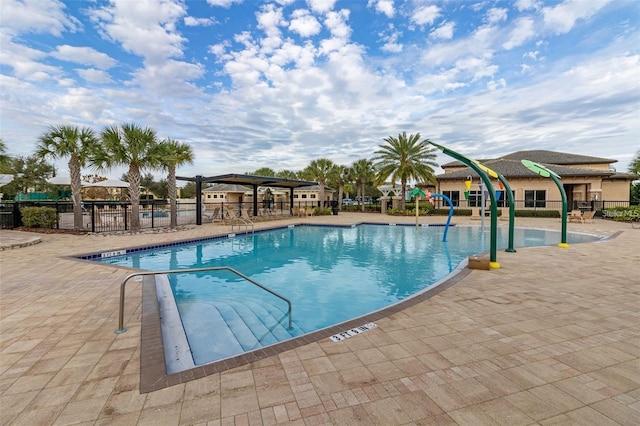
[(134, 196), (173, 205), (76, 196)]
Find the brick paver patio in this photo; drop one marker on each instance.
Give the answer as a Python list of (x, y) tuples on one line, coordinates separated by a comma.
[(553, 337)]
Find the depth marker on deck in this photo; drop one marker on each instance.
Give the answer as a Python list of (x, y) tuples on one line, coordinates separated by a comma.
[(353, 332)]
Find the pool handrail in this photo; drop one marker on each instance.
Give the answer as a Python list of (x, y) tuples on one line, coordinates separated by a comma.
[(121, 328)]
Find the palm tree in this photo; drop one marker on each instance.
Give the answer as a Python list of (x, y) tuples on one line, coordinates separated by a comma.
[(263, 171), (133, 146), (405, 158), (174, 155), (634, 167), (319, 170), (287, 174), (79, 145), (363, 172), (340, 175), (5, 159)]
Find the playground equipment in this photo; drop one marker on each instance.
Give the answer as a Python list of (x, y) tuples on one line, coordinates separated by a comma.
[(446, 227), (493, 263), (545, 172)]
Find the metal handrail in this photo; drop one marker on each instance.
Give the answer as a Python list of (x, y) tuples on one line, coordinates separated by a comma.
[(122, 329), (241, 221)]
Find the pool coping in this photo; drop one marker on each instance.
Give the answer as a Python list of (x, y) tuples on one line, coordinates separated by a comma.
[(153, 369), (153, 374)]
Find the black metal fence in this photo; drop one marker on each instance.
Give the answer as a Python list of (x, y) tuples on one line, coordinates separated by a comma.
[(113, 216)]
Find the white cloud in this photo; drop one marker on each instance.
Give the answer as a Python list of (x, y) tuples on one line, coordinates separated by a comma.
[(145, 28), (336, 22), (223, 3), (94, 76), (560, 19), (25, 61), (523, 5), (84, 56), (523, 30), (495, 15), (303, 23), (385, 7), (444, 31), (37, 16), (496, 84), (78, 102), (171, 78), (321, 6), (425, 15), (190, 21), (390, 39)]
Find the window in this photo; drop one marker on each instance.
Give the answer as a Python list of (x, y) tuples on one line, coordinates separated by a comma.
[(208, 195), (312, 196), (454, 196), (295, 195), (304, 195), (535, 198), (504, 200), (475, 199), (215, 195)]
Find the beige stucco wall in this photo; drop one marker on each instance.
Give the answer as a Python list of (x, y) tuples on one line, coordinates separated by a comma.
[(615, 190), (578, 188)]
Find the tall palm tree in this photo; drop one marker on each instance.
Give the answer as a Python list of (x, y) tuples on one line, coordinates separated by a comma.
[(405, 158), (134, 146), (339, 176), (79, 145), (174, 155), (363, 172), (5, 159), (287, 174), (319, 170)]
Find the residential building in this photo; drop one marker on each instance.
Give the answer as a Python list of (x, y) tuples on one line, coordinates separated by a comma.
[(589, 182)]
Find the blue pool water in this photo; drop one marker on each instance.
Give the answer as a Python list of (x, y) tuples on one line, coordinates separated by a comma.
[(330, 274)]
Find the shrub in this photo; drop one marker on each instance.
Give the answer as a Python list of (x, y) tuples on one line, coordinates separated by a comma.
[(317, 211), (537, 213), (39, 217), (456, 212), (621, 214)]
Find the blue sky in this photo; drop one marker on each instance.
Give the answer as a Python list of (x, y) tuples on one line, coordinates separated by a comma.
[(279, 83)]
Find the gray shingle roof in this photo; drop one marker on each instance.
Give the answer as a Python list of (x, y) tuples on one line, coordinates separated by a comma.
[(559, 162), (515, 169), (545, 157)]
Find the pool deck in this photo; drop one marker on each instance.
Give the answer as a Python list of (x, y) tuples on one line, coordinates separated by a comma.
[(552, 337)]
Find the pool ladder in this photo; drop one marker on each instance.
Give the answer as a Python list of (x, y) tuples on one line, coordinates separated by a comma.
[(121, 328)]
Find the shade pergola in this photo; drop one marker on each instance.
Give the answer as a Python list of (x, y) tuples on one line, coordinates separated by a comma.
[(248, 180)]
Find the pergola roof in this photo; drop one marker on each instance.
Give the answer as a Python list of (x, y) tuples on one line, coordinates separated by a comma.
[(252, 180)]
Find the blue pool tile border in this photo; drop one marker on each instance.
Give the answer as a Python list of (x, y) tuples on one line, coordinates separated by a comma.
[(125, 251)]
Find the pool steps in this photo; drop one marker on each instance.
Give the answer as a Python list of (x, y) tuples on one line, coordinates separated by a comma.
[(254, 325)]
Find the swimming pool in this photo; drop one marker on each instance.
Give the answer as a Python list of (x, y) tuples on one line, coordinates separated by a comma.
[(331, 274)]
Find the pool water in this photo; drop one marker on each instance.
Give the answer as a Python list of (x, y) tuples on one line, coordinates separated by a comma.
[(330, 274)]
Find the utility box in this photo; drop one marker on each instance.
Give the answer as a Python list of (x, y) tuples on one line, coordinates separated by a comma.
[(477, 262)]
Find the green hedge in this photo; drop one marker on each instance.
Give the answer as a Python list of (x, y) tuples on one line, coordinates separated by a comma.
[(538, 213), (622, 214), (317, 211), (39, 217)]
